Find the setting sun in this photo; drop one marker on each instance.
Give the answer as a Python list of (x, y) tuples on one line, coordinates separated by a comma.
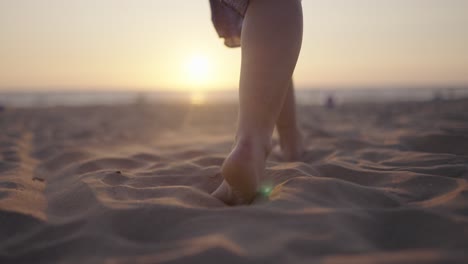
[(198, 70)]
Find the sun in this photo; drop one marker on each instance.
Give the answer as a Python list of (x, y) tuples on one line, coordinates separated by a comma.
[(198, 70)]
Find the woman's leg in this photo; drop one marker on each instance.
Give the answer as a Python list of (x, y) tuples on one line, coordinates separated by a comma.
[(271, 42), (290, 136)]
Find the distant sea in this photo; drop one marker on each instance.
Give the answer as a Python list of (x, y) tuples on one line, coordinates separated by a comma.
[(304, 96)]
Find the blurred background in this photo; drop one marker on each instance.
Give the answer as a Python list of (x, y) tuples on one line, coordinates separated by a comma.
[(118, 51)]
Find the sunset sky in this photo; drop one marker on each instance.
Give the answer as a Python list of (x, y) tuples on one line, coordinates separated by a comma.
[(156, 44)]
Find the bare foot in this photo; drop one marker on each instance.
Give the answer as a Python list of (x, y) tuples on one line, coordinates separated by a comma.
[(242, 171), (291, 144)]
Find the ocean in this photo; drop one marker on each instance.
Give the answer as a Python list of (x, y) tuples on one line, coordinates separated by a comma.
[(304, 96)]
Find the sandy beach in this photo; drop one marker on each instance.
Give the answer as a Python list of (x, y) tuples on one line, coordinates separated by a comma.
[(379, 183)]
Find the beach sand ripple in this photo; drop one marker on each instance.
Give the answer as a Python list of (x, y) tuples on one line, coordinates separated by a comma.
[(131, 184)]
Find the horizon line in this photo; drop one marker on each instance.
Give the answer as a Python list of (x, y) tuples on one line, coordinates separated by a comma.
[(130, 89)]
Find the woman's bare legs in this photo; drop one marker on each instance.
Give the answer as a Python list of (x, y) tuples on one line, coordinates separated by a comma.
[(271, 42)]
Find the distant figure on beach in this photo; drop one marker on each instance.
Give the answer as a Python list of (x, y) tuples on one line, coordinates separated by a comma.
[(270, 35), (330, 102)]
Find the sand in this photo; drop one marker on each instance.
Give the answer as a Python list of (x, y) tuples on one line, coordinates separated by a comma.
[(131, 184)]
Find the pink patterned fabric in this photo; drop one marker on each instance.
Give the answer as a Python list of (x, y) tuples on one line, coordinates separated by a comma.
[(228, 16)]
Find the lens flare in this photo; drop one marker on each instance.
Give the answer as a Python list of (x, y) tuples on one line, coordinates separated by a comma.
[(197, 99), (266, 190)]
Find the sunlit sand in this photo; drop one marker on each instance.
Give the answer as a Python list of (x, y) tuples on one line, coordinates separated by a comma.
[(129, 184)]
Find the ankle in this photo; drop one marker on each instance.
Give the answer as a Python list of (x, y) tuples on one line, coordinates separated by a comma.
[(288, 130), (253, 142)]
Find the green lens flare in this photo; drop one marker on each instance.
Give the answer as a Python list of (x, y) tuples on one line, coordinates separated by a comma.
[(266, 190)]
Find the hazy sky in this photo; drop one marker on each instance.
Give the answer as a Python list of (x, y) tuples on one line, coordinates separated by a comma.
[(162, 44)]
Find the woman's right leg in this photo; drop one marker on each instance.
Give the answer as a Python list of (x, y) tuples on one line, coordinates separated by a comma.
[(271, 42)]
